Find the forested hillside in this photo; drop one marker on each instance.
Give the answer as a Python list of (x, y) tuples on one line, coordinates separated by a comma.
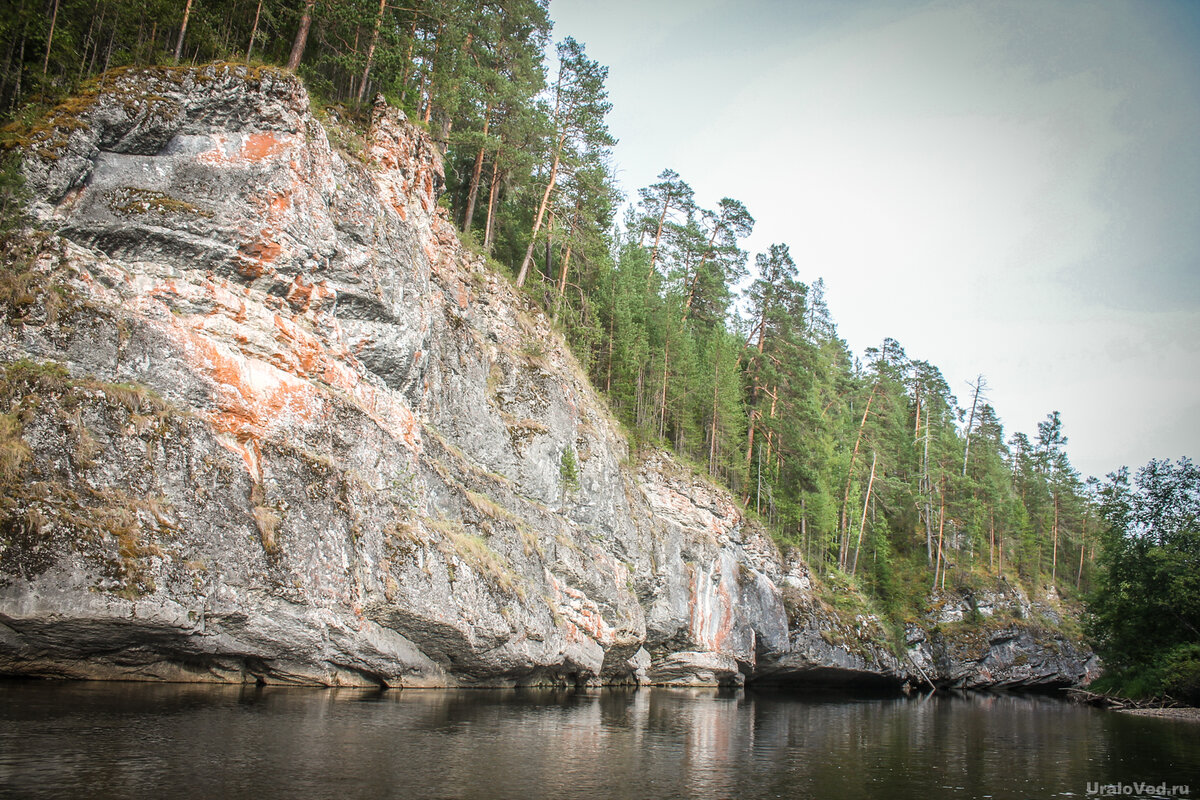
[(869, 464)]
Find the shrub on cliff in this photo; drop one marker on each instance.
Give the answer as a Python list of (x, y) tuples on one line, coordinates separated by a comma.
[(12, 196)]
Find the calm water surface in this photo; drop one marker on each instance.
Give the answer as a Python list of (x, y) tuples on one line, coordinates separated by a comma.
[(111, 740)]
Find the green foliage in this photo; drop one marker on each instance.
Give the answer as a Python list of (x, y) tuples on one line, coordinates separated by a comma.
[(12, 197), (1144, 614), (19, 285), (36, 376), (1181, 673), (568, 469)]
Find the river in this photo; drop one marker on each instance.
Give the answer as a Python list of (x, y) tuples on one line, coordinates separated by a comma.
[(125, 740)]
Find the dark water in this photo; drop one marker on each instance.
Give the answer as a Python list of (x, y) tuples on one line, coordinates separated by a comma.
[(130, 740)]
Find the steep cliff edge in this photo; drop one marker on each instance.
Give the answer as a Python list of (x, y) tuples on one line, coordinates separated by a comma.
[(265, 420)]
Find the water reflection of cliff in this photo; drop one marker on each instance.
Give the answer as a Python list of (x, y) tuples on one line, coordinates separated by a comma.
[(127, 740)]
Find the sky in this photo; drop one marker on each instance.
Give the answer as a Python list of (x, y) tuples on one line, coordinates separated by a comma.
[(1008, 189)]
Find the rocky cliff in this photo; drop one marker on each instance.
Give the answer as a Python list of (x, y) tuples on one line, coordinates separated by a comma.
[(264, 419)]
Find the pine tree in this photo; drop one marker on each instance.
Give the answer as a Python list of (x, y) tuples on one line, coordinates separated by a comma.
[(580, 103), (662, 206)]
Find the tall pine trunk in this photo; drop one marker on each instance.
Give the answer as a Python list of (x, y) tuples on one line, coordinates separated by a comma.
[(1082, 550), (523, 274), (863, 523), (99, 34), (362, 87), (427, 84), (773, 393), (492, 189), (991, 538), (50, 38), (1054, 545), (658, 233), (754, 393), (408, 73), (712, 443), (88, 41), (476, 173), (301, 40), (691, 295), (566, 264), (662, 414), (20, 67), (941, 527), (978, 386), (8, 62), (187, 11), (844, 549), (253, 30), (612, 325), (928, 492), (562, 280), (112, 37)]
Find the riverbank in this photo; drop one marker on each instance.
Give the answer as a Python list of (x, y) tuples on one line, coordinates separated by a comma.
[(1191, 714)]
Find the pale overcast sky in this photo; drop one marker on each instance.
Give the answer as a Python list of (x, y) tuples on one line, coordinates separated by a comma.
[(1006, 188)]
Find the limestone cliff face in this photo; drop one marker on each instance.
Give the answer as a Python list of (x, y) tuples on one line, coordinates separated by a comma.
[(274, 424)]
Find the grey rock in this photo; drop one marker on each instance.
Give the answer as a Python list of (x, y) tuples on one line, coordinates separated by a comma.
[(998, 637)]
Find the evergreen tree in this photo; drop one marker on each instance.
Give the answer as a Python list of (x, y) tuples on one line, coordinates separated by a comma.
[(662, 207), (580, 104)]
